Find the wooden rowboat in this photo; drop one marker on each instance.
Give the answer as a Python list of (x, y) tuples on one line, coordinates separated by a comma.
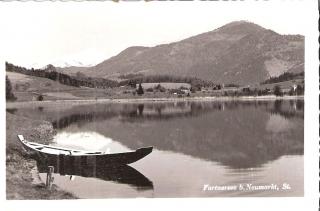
[(102, 158)]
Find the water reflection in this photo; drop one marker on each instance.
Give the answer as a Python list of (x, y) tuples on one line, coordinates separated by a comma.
[(88, 167), (167, 111), (238, 134), (294, 109), (220, 143)]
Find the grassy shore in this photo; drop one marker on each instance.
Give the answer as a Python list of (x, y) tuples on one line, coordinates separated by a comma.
[(22, 178)]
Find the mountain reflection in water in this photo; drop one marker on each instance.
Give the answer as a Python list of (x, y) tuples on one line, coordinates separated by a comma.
[(238, 134), (218, 143)]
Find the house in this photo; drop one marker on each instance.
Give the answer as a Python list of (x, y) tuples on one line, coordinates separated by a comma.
[(185, 91), (230, 89)]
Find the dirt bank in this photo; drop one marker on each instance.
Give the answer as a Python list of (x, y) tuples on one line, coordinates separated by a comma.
[(21, 172)]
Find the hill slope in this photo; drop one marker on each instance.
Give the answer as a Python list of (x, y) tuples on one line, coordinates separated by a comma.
[(239, 52)]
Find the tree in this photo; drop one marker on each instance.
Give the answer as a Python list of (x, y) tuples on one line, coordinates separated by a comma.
[(140, 90), (255, 92), (50, 67), (80, 75), (40, 98), (192, 89), (299, 90), (9, 94), (277, 91), (291, 92), (160, 88)]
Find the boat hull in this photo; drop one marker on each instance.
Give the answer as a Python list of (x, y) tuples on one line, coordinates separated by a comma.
[(46, 152), (103, 159)]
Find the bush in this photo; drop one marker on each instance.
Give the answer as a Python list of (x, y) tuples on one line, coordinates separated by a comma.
[(40, 98), (127, 92), (9, 94), (149, 90), (160, 88), (277, 91)]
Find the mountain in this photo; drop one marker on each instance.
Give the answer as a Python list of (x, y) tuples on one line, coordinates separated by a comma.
[(70, 63), (240, 52)]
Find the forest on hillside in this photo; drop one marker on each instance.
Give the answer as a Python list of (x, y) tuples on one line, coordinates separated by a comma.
[(287, 76), (51, 73)]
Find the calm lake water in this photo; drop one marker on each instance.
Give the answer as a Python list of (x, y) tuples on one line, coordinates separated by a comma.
[(197, 146)]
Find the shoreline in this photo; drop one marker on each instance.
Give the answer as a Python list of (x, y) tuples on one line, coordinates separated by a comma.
[(22, 176), (150, 100)]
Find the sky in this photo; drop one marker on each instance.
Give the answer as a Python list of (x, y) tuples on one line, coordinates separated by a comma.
[(35, 34)]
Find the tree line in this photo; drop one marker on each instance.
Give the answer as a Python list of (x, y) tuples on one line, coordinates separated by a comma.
[(195, 83), (51, 73), (283, 77)]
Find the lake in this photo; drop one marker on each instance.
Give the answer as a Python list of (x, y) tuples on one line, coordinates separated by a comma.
[(201, 149)]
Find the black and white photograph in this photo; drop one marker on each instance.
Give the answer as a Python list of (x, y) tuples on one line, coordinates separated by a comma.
[(150, 99)]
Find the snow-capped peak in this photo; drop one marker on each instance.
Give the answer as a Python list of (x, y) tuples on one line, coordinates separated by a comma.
[(70, 63)]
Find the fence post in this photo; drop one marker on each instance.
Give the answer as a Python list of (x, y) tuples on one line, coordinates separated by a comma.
[(50, 178)]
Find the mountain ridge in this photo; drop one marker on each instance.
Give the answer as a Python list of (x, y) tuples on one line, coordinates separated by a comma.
[(239, 52)]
